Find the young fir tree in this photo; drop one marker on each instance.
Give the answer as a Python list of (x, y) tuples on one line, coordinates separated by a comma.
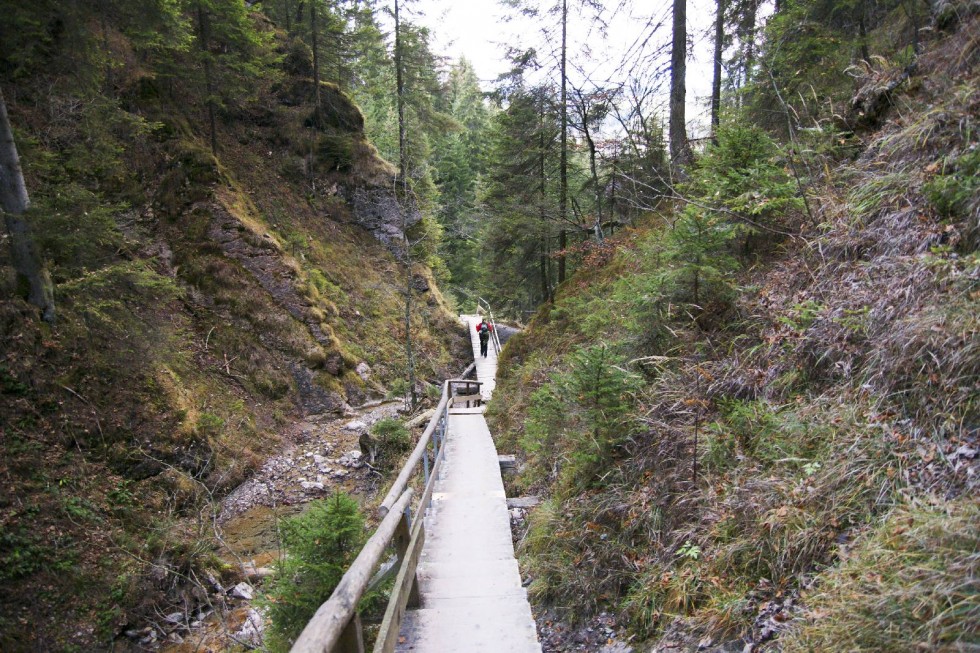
[(320, 545), (598, 392)]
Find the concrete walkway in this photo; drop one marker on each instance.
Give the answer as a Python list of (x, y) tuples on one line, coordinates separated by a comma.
[(470, 586)]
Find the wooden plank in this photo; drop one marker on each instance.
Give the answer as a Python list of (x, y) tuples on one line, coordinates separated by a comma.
[(387, 570), (523, 502), (403, 536), (325, 628), (352, 639), (467, 383), (413, 460), (508, 463), (468, 401), (400, 594)]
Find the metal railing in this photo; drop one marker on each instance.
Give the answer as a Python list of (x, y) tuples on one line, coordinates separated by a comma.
[(336, 626)]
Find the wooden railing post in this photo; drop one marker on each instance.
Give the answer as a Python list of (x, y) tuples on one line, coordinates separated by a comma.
[(403, 537), (352, 639)]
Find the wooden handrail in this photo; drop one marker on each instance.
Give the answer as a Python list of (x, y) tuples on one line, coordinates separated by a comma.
[(330, 620), (413, 460), (405, 591)]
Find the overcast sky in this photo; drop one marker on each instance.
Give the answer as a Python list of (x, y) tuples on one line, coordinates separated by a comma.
[(478, 30)]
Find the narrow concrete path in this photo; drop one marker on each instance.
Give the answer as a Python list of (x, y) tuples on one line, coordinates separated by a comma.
[(470, 586)]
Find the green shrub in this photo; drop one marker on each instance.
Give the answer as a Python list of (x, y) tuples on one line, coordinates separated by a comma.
[(700, 270), (22, 553), (320, 545), (335, 152), (598, 393), (954, 192), (542, 429), (393, 439), (299, 58), (10, 384)]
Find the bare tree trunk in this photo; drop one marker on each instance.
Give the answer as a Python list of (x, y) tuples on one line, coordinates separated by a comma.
[(542, 196), (543, 269), (679, 151), (563, 170), (583, 108), (562, 246), (750, 20), (32, 279), (612, 194), (204, 39), (316, 60), (403, 171), (716, 73), (594, 169), (863, 32), (106, 50)]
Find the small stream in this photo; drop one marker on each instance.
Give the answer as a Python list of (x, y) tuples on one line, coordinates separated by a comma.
[(325, 458)]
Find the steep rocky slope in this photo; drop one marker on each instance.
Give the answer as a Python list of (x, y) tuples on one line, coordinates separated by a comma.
[(793, 465), (206, 303)]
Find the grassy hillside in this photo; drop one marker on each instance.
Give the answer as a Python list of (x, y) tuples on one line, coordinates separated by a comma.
[(204, 304), (765, 430)]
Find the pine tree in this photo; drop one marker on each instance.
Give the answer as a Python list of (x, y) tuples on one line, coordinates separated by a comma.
[(460, 163), (522, 227), (231, 54)]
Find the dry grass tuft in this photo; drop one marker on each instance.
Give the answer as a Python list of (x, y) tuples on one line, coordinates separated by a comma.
[(913, 584)]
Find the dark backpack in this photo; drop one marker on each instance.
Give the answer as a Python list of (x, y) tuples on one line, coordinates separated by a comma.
[(484, 331)]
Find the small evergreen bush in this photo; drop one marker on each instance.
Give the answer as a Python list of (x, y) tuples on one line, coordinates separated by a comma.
[(393, 440), (320, 544)]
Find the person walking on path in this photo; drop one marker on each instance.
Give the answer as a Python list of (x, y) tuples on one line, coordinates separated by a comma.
[(484, 330)]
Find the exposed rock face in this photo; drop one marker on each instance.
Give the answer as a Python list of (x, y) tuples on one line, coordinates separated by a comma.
[(419, 283), (363, 370), (313, 398), (378, 211), (263, 258)]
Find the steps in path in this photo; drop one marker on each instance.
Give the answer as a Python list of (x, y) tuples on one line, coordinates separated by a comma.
[(472, 599)]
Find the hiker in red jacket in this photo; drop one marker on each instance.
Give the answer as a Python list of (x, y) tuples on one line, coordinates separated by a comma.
[(484, 329)]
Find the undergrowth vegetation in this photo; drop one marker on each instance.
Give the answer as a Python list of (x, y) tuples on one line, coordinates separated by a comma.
[(912, 582), (759, 415)]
